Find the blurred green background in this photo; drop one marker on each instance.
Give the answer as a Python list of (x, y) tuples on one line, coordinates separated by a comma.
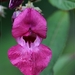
[(60, 38)]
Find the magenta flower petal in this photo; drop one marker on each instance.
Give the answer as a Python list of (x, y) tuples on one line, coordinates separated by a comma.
[(30, 61), (29, 20), (14, 3)]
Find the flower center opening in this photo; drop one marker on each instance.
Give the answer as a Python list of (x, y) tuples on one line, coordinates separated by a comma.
[(30, 39)]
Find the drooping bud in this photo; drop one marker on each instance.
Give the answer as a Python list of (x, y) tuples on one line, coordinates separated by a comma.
[(3, 0), (14, 3)]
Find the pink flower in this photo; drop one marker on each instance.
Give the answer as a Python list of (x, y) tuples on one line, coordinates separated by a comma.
[(30, 56)]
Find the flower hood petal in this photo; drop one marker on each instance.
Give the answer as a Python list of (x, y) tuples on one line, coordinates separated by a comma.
[(29, 19)]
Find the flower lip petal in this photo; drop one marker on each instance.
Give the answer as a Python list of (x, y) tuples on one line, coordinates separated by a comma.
[(30, 63), (14, 3)]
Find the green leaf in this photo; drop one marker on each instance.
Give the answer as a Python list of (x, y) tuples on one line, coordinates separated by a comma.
[(58, 27), (67, 65), (63, 4)]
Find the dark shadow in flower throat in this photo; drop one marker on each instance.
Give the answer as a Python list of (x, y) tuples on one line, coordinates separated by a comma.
[(30, 38)]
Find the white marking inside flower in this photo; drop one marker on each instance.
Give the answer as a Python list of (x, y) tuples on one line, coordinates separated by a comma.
[(29, 46)]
